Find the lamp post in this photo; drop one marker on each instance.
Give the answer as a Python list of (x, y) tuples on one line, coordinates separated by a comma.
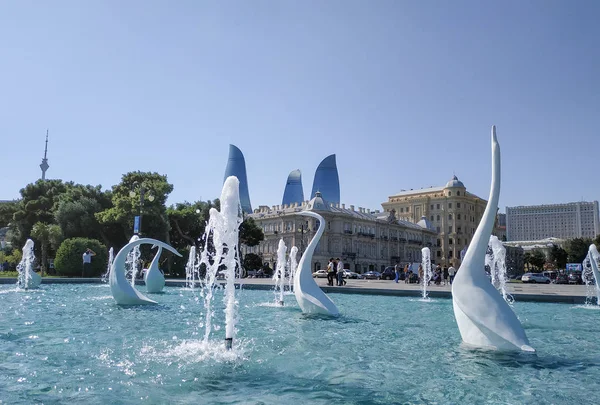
[(301, 230), (150, 197)]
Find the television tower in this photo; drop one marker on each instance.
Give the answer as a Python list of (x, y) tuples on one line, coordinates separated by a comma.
[(44, 166)]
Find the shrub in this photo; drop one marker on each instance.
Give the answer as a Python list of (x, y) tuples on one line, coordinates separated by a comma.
[(69, 260)]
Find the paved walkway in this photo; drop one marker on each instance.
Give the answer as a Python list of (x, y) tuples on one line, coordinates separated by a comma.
[(562, 293)]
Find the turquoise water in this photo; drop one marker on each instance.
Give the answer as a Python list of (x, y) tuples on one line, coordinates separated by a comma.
[(72, 344)]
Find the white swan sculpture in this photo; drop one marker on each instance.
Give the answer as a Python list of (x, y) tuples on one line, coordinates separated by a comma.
[(122, 291), (154, 279), (594, 260), (484, 319), (311, 299)]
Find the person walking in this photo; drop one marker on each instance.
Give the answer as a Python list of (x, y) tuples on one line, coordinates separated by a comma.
[(446, 276), (87, 262), (406, 274), (451, 273), (340, 273), (330, 272), (421, 273), (397, 271)]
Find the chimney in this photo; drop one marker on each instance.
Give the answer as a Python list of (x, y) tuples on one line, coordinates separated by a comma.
[(352, 207), (344, 206)]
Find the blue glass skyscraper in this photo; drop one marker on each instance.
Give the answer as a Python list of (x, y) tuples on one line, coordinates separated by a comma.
[(293, 192), (327, 180), (236, 166)]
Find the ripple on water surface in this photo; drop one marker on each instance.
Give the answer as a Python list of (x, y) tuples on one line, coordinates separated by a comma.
[(71, 343)]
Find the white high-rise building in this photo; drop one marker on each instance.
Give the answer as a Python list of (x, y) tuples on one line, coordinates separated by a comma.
[(564, 221)]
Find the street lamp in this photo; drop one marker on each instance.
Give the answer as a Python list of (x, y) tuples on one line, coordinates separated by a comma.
[(301, 230), (150, 197)]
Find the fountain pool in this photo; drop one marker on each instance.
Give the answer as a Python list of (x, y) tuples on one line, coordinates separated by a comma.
[(72, 343)]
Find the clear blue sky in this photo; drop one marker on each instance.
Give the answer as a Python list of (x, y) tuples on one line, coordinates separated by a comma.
[(404, 92)]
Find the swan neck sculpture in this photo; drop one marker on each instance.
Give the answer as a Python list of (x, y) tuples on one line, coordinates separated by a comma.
[(154, 279), (310, 297), (484, 319), (122, 291)]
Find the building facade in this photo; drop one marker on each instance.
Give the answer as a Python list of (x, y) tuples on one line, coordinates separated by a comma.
[(236, 166), (327, 180), (453, 212), (563, 221), (363, 239)]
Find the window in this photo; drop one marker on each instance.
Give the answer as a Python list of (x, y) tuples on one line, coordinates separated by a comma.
[(458, 241), (449, 205), (449, 193), (458, 193), (438, 229), (439, 242), (450, 229), (459, 230), (450, 255), (458, 216), (401, 209), (438, 206), (438, 217), (431, 206), (439, 254), (432, 218), (407, 209), (457, 205), (450, 217), (450, 241)]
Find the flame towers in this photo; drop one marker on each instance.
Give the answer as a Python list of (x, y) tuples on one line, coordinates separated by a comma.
[(293, 189), (327, 180), (236, 166)]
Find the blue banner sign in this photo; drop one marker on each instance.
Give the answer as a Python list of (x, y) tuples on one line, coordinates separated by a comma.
[(574, 267), (136, 225)]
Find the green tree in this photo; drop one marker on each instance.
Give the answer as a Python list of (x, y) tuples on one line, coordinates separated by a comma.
[(250, 233), (577, 249), (46, 236), (38, 203), (527, 260), (558, 257), (7, 210), (125, 206), (252, 261), (69, 262), (76, 213), (187, 222), (538, 258)]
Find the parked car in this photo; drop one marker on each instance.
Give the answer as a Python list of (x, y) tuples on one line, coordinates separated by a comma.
[(372, 275), (388, 274), (535, 278), (352, 274), (575, 277), (562, 279), (320, 274)]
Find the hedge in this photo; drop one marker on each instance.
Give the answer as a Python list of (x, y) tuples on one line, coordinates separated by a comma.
[(69, 257)]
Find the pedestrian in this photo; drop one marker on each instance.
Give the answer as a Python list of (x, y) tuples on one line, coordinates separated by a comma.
[(397, 271), (340, 272), (421, 278), (330, 272), (406, 274), (87, 262), (446, 276), (451, 273)]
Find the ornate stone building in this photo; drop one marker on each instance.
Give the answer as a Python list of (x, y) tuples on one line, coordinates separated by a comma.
[(453, 212), (364, 239)]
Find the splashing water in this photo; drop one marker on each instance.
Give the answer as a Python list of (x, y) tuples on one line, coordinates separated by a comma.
[(496, 259), (132, 262), (111, 257), (192, 269), (426, 264), (292, 266), (587, 275), (27, 277), (279, 275), (221, 252)]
